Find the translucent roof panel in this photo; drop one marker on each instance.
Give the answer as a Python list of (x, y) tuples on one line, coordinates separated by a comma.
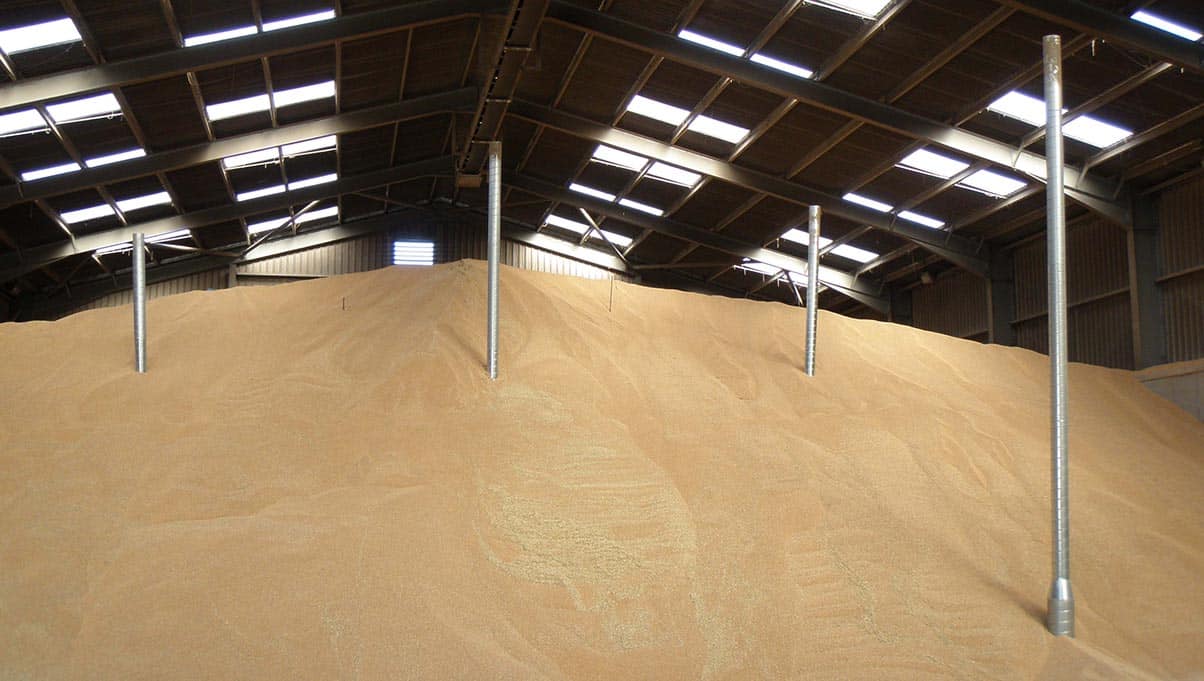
[(866, 9), (36, 36), (931, 163), (1163, 24), (96, 106), (992, 183)]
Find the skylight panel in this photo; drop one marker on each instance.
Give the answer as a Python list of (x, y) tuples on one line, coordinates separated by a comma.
[(21, 121), (619, 240), (122, 247), (84, 109), (868, 202), (312, 181), (217, 36), (316, 144), (718, 129), (1164, 24), (298, 20), (146, 201), (920, 219), (619, 158), (713, 43), (35, 36), (866, 9), (319, 214), (238, 107), (655, 110), (590, 191), (251, 158), (169, 236), (265, 226), (992, 183), (1095, 132), (565, 223), (306, 93), (73, 216), (792, 69), (259, 193), (50, 171), (855, 254), (117, 157), (799, 236), (930, 163), (414, 253), (1021, 107), (642, 207), (672, 174)]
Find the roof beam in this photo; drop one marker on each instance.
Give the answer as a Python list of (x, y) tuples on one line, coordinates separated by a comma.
[(858, 289), (12, 265), (1101, 23), (445, 102), (954, 248), (175, 62), (823, 96)]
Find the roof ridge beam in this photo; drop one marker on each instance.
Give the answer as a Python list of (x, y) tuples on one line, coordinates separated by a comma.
[(834, 99), (445, 102), (29, 91), (13, 265), (860, 290), (955, 248)]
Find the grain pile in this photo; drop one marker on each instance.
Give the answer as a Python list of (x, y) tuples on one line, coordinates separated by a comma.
[(318, 481)]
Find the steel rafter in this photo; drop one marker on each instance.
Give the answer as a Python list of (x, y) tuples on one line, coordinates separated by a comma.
[(860, 290), (1119, 28), (13, 265), (185, 59), (453, 101), (954, 248), (823, 96)]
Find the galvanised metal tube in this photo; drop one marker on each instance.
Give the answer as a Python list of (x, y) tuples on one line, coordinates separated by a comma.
[(495, 238), (139, 257), (1060, 618), (813, 215)]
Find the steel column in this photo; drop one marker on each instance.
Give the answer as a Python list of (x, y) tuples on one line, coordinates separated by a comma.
[(139, 257), (813, 215), (1060, 619), (494, 242), (1145, 298)]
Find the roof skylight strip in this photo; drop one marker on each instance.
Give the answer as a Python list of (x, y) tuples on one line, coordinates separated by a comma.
[(298, 20), (83, 214), (49, 171), (305, 93), (96, 106), (1164, 24), (36, 36), (145, 201), (642, 207), (22, 121), (116, 157), (866, 9), (218, 36)]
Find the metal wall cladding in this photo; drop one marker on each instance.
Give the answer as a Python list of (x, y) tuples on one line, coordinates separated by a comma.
[(1097, 332), (1183, 309), (204, 281), (460, 241), (1097, 285), (370, 252), (955, 305), (1181, 217)]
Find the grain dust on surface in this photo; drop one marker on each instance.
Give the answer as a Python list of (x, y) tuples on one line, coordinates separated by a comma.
[(318, 481)]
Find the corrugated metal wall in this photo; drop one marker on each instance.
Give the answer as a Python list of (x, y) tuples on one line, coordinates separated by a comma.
[(955, 305), (1097, 283), (1181, 214), (370, 252), (213, 279), (460, 241), (455, 241)]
